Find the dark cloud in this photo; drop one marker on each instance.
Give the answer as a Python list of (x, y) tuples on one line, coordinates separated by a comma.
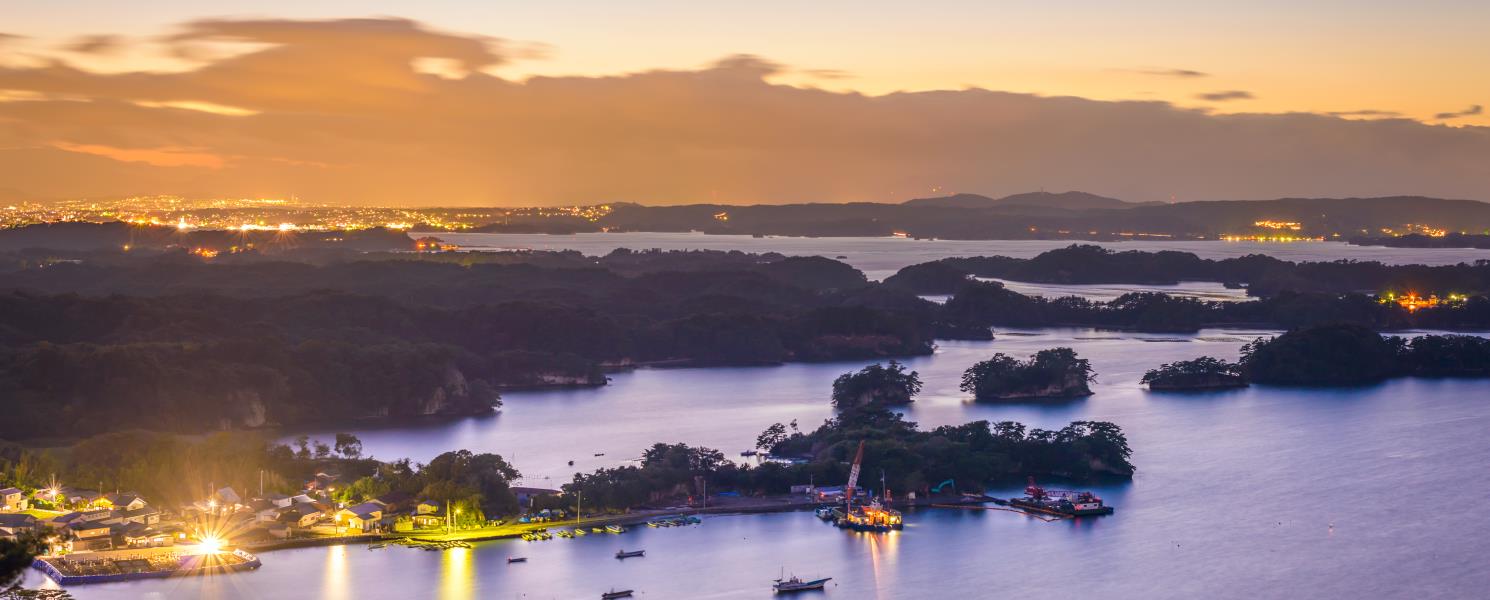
[(1367, 112), (1226, 96), (1468, 112), (1176, 73), (337, 112), (96, 44), (749, 65)]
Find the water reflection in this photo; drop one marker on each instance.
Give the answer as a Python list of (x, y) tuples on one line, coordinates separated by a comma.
[(457, 574), (336, 584)]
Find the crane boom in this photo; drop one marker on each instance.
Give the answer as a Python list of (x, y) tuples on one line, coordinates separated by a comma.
[(853, 474)]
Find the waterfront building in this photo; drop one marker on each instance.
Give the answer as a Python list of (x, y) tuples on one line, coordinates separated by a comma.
[(363, 517)]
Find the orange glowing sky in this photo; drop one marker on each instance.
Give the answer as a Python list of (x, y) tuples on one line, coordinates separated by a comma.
[(665, 102)]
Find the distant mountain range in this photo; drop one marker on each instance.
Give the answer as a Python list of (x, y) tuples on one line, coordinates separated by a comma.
[(1071, 215), (1072, 200), (1068, 215)]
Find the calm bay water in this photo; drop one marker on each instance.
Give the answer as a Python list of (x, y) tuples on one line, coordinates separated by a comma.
[(1366, 492), (1257, 493), (882, 257)]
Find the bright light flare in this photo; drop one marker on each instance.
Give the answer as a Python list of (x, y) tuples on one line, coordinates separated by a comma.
[(211, 544)]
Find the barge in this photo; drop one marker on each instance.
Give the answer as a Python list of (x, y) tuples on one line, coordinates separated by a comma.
[(1060, 502)]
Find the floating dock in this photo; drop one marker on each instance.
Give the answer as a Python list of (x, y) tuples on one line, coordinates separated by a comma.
[(118, 565)]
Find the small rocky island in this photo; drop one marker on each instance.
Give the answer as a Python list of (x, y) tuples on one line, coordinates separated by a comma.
[(876, 385), (1050, 373), (1204, 373)]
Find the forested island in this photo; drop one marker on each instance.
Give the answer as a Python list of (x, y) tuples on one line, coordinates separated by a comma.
[(1261, 275), (1050, 373), (913, 460), (1204, 373), (177, 344), (1348, 354), (172, 341), (876, 385)]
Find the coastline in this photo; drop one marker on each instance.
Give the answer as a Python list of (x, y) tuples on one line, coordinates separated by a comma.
[(771, 504)]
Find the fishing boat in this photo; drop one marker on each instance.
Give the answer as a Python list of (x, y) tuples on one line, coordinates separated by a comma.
[(622, 554), (615, 529), (378, 546), (596, 530), (615, 594), (516, 559), (578, 531), (796, 584)]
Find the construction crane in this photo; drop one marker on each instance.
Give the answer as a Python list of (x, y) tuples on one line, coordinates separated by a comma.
[(853, 477)]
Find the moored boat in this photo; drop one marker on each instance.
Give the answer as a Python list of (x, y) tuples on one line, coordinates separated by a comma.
[(796, 584), (622, 554), (615, 594)]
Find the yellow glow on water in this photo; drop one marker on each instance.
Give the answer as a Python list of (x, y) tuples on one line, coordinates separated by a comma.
[(337, 585), (457, 574)]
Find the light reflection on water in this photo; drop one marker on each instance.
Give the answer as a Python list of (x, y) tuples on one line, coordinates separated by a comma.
[(457, 574)]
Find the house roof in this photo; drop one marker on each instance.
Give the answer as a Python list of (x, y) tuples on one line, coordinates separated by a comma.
[(138, 512), (17, 520), (66, 518), (366, 510), (124, 498), (76, 493), (228, 495), (10, 490), (299, 510), (88, 525)]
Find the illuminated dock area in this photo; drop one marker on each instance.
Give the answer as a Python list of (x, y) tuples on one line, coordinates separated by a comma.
[(144, 563)]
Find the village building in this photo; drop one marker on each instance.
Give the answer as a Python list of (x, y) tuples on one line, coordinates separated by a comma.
[(124, 501), (300, 515), (362, 517), (91, 535), (13, 499), (13, 524)]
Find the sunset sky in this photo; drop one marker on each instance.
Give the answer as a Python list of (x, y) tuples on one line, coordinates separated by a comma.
[(506, 103)]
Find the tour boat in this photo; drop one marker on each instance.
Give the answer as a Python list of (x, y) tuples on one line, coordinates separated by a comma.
[(795, 584), (631, 554)]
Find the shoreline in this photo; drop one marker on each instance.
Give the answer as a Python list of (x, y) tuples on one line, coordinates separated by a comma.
[(773, 504)]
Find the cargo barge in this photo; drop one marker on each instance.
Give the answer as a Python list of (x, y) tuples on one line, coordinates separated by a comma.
[(1060, 502)]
